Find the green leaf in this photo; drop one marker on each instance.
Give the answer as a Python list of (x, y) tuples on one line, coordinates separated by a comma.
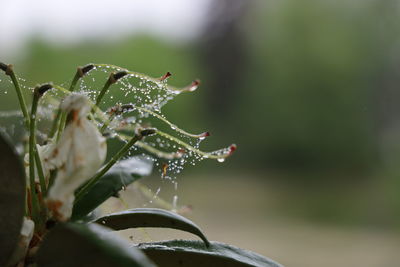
[(147, 217), (185, 253), (87, 245), (118, 177), (12, 198)]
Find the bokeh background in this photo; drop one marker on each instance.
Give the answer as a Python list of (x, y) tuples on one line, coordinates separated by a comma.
[(308, 90)]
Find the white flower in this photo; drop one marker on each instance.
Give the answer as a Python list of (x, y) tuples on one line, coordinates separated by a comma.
[(77, 156)]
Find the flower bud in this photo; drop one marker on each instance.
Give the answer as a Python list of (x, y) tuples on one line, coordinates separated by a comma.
[(232, 148), (147, 132), (3, 66), (40, 90), (82, 71), (165, 76), (7, 68), (193, 86), (114, 77)]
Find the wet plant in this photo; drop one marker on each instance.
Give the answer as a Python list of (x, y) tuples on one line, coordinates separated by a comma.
[(50, 191)]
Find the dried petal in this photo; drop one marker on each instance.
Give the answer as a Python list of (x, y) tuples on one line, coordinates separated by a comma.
[(78, 155)]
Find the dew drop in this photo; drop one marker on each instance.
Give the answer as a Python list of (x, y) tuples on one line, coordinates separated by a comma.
[(174, 202)]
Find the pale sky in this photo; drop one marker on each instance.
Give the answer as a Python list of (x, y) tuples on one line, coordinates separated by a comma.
[(74, 20)]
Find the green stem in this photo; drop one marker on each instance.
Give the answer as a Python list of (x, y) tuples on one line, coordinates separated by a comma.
[(107, 122), (53, 174), (113, 78), (32, 142), (32, 151), (112, 161), (34, 154), (102, 92), (39, 166), (61, 117), (56, 124), (21, 98), (61, 125)]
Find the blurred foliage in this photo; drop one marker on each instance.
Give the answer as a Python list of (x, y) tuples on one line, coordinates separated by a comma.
[(314, 80), (317, 98)]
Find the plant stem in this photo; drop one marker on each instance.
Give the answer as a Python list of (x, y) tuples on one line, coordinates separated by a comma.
[(32, 151), (39, 166), (107, 122), (21, 98), (102, 92), (56, 124), (112, 161), (113, 78), (59, 122), (36, 194), (53, 174)]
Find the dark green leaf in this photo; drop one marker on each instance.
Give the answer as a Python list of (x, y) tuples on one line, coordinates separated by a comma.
[(12, 198), (87, 245), (185, 253), (146, 217), (119, 176)]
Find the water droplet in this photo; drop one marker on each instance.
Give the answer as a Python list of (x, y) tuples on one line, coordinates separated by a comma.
[(174, 202)]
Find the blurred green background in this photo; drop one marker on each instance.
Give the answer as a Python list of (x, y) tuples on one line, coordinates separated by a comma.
[(308, 90)]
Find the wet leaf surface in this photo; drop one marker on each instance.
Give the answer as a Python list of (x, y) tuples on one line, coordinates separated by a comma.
[(187, 253), (149, 217), (117, 178)]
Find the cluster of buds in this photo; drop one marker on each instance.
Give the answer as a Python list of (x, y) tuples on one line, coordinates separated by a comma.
[(73, 156)]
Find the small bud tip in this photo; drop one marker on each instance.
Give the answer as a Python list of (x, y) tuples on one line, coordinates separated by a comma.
[(114, 77), (232, 148), (40, 90), (205, 134), (3, 66), (180, 152), (147, 132), (85, 69), (165, 76), (126, 107), (195, 84), (7, 68)]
